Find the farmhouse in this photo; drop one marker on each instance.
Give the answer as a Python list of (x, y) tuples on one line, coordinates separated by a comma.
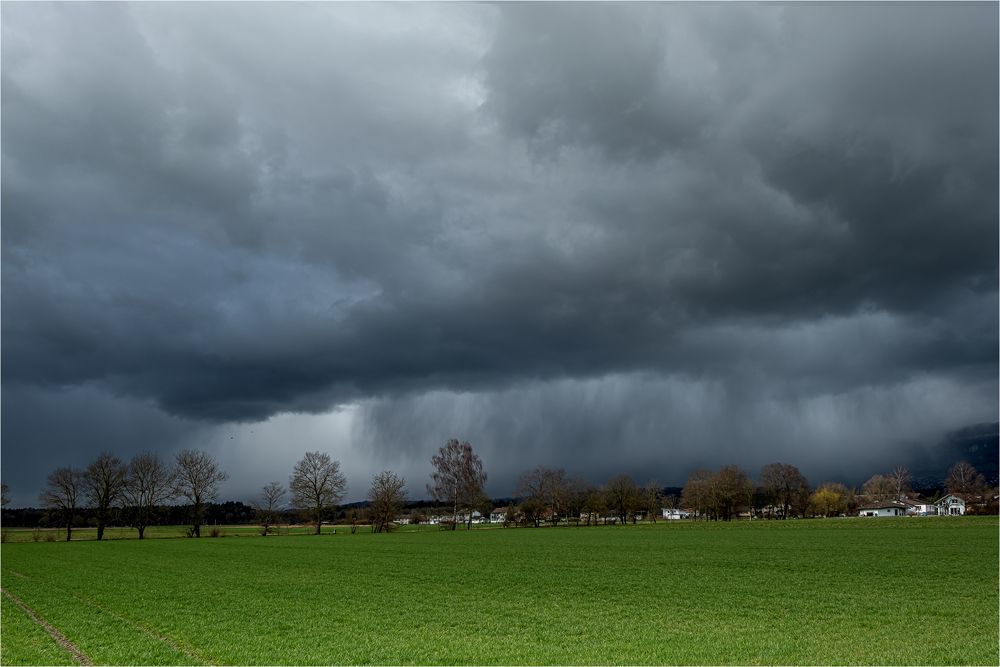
[(951, 505), (498, 515), (887, 508), (673, 514)]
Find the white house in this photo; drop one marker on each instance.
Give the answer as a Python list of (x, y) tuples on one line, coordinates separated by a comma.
[(882, 509), (951, 505), (919, 507), (674, 514), (498, 515)]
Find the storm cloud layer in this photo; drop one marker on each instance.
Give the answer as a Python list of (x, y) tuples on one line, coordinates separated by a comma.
[(615, 237)]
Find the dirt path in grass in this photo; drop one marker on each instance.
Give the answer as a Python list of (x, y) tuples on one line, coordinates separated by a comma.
[(186, 651), (60, 638)]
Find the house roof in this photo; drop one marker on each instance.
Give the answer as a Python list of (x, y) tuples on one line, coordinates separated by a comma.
[(889, 504)]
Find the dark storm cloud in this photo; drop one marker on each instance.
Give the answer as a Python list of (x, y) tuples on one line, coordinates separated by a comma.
[(233, 212)]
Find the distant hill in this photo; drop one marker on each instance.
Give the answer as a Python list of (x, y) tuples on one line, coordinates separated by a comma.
[(978, 444)]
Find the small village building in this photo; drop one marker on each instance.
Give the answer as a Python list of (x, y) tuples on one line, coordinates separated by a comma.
[(951, 505), (674, 514), (919, 507), (498, 515), (888, 508)]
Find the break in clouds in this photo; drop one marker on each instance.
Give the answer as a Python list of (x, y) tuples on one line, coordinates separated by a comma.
[(615, 238)]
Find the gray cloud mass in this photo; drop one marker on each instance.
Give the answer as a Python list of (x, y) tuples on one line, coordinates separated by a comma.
[(610, 237)]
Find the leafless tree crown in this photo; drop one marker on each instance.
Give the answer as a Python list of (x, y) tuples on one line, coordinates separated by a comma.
[(458, 476), (64, 490), (317, 484), (386, 497), (148, 484)]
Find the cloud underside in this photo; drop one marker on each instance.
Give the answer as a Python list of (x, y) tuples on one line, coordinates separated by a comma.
[(226, 214)]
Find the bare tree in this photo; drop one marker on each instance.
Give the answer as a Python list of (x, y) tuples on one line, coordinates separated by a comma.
[(317, 485), (622, 496), (147, 485), (672, 501), (544, 490), (268, 505), (531, 512), (575, 498), (878, 488), (65, 489), (652, 499), (785, 487), (197, 476), (458, 477), (963, 478), (386, 496), (697, 493), (901, 480), (596, 504), (104, 484), (732, 489), (510, 515)]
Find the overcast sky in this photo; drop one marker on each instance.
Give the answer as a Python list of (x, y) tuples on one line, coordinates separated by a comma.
[(613, 238)]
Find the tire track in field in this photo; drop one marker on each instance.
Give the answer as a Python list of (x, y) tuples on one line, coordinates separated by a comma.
[(186, 651), (60, 638)]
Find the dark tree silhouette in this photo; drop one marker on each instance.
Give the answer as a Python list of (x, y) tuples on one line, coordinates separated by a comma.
[(104, 484), (267, 507), (196, 477), (544, 491), (65, 489), (786, 488), (148, 484), (458, 478), (386, 496), (622, 496), (317, 485)]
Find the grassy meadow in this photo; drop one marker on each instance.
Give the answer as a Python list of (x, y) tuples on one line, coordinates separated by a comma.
[(835, 591), (156, 532)]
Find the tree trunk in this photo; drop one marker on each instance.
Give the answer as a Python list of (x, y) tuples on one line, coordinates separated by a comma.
[(197, 518), (69, 529), (142, 529), (100, 530)]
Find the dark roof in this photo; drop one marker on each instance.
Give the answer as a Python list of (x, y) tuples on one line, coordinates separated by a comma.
[(888, 504)]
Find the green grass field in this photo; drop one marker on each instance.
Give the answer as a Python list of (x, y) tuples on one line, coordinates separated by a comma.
[(837, 591), (157, 532)]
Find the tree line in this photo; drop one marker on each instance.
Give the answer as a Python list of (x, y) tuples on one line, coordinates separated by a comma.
[(143, 485)]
